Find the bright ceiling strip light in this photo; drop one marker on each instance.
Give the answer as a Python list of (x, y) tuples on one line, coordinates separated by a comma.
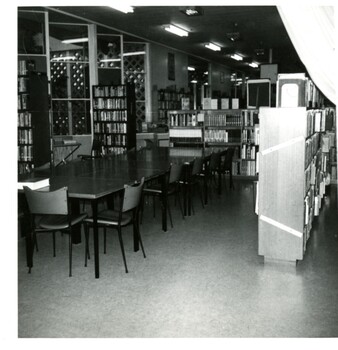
[(193, 81), (236, 57), (175, 30), (74, 41), (192, 69), (57, 59), (134, 53), (123, 8), (111, 60), (213, 47), (253, 65)]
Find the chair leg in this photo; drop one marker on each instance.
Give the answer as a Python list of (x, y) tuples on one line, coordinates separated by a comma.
[(104, 240), (137, 228), (35, 243), (87, 254), (70, 240), (154, 206), (180, 204), (54, 255), (122, 248), (169, 212)]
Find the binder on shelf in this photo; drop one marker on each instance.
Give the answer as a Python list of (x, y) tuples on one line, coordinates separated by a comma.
[(34, 183)]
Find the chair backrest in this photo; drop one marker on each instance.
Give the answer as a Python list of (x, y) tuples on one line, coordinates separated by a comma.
[(227, 164), (197, 167), (214, 160), (175, 172), (52, 203), (132, 196)]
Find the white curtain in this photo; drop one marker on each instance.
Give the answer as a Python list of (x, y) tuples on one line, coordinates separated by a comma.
[(312, 32)]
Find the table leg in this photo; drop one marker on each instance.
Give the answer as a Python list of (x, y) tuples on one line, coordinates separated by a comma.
[(96, 239), (76, 230)]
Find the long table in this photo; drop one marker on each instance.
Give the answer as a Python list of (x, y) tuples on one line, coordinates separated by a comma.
[(98, 178)]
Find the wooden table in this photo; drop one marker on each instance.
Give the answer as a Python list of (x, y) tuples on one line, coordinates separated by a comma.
[(94, 179)]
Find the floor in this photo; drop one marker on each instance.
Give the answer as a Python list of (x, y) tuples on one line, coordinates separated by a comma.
[(201, 279)]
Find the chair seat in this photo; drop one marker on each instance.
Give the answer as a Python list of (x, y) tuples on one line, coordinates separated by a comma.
[(110, 218), (59, 222)]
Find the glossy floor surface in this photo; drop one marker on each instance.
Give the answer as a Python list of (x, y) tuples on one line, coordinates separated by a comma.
[(203, 278)]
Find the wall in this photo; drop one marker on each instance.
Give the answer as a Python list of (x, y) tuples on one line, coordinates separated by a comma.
[(220, 79), (158, 73)]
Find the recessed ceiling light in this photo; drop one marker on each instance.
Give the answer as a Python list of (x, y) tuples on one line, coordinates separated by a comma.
[(192, 69), (193, 81), (213, 47), (175, 30), (253, 65)]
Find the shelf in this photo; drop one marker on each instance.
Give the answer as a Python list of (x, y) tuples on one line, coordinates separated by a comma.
[(223, 143), (223, 127), (186, 127)]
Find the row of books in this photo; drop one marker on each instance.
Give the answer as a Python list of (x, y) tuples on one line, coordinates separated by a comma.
[(25, 136), (25, 168), (115, 150), (184, 140), (310, 174), (222, 119), (248, 168), (24, 119), (23, 101), (22, 67), (25, 153), (164, 95), (317, 121), (220, 136), (113, 140), (107, 127), (248, 152), (110, 103), (182, 119), (110, 91), (312, 145), (249, 136), (23, 84), (164, 104), (115, 116), (250, 117), (313, 96)]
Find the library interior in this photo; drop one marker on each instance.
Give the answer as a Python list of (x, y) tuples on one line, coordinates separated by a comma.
[(176, 172)]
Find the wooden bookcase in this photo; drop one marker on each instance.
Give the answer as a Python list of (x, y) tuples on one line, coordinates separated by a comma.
[(114, 117), (291, 183), (34, 142)]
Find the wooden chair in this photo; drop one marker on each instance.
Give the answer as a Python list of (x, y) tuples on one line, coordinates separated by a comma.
[(226, 165), (173, 188), (49, 212), (127, 214)]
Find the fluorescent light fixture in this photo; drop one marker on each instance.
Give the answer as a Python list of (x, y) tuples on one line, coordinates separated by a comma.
[(206, 72), (213, 47), (193, 81), (175, 30), (206, 83), (193, 11), (74, 41), (192, 69), (123, 8), (236, 57), (253, 65), (65, 58), (135, 53), (111, 60)]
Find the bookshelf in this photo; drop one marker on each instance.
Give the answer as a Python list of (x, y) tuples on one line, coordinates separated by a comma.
[(169, 100), (34, 142), (114, 117), (291, 181)]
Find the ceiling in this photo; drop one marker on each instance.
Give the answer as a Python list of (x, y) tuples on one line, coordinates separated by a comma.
[(262, 36)]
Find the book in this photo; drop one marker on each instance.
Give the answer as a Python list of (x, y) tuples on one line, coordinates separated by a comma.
[(33, 183)]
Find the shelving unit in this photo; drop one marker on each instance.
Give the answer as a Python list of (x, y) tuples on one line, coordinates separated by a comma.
[(291, 181), (236, 128), (114, 117), (34, 143), (169, 100)]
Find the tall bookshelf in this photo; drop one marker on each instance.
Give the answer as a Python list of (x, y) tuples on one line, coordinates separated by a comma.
[(291, 181), (34, 142), (114, 117)]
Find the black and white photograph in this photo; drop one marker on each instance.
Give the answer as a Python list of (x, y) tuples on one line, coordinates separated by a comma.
[(173, 171)]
